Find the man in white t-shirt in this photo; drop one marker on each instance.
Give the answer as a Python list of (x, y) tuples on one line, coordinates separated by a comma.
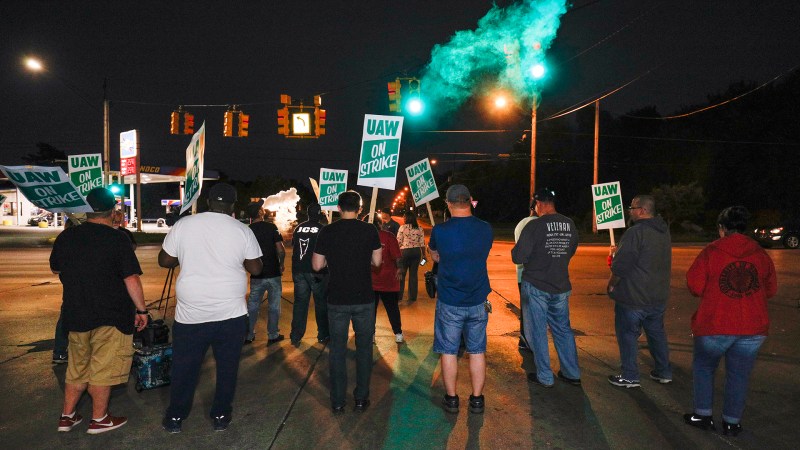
[(215, 252), (523, 301)]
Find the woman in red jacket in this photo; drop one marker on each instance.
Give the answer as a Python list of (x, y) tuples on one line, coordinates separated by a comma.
[(733, 277)]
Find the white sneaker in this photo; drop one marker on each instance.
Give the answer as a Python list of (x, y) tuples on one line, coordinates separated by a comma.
[(398, 337)]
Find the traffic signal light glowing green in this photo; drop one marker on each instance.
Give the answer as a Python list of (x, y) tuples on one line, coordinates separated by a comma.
[(537, 71), (115, 188), (415, 106)]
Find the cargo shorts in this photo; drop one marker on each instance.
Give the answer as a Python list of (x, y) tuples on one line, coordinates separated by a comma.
[(100, 357)]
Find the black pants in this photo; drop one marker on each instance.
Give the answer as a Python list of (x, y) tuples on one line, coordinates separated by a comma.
[(410, 264), (392, 310)]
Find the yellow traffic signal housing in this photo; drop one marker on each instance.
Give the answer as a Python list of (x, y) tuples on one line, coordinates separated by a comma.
[(244, 124), (283, 121), (227, 125), (394, 96), (174, 120), (319, 121), (188, 123)]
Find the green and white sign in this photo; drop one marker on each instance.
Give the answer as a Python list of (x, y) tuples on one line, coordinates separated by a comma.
[(420, 178), (2, 199), (194, 168), (48, 188), (86, 172), (332, 182), (607, 199), (380, 151)]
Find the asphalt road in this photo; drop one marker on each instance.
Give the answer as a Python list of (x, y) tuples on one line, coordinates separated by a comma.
[(282, 398)]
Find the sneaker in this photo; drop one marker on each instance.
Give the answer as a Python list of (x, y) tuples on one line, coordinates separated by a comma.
[(398, 338), (324, 340), (66, 423), (172, 424), (107, 423), (731, 428), (535, 380), (337, 410), (476, 404), (275, 340), (523, 345), (702, 422), (572, 381), (663, 380), (59, 358), (617, 380), (249, 340), (221, 422), (450, 403), (361, 405)]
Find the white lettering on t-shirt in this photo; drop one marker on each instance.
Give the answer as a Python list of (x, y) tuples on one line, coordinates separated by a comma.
[(557, 239)]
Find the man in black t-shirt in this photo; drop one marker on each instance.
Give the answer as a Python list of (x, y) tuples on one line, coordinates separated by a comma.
[(349, 248), (269, 280), (103, 303), (306, 280)]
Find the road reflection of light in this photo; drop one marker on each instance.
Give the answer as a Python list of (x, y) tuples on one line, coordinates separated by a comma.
[(284, 206)]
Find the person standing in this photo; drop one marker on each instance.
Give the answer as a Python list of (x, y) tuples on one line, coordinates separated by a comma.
[(639, 286), (215, 252), (734, 277), (386, 281), (523, 300), (461, 246), (389, 224), (103, 304), (306, 280), (348, 248), (545, 247), (269, 280), (412, 245)]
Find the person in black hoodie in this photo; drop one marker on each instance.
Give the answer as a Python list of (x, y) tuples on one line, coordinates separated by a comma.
[(639, 285)]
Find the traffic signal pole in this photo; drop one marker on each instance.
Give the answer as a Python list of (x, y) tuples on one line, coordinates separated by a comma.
[(106, 138)]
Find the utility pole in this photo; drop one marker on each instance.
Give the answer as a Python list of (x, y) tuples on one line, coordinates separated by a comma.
[(106, 137), (596, 154), (533, 143)]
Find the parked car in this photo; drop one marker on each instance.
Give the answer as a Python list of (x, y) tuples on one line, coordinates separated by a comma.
[(45, 216), (786, 233)]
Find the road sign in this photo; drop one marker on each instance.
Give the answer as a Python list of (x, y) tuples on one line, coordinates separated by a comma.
[(332, 183), (48, 188), (194, 168), (607, 199), (380, 151), (85, 171), (423, 185)]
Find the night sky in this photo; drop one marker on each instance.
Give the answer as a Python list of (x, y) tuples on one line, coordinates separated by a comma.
[(157, 55)]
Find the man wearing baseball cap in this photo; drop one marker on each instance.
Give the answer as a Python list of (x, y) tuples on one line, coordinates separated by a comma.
[(103, 303), (215, 252)]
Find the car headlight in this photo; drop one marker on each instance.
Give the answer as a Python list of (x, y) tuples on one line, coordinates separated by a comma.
[(776, 230)]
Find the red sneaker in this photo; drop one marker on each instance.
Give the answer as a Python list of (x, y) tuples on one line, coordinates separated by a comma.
[(68, 423), (108, 423)]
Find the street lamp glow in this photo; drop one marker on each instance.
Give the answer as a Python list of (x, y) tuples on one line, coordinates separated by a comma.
[(500, 101), (415, 106), (34, 64), (537, 71)]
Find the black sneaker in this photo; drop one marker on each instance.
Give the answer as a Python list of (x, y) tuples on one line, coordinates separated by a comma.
[(663, 380), (476, 404), (337, 410), (324, 340), (450, 403), (535, 380), (249, 340), (221, 422), (572, 381), (172, 424), (361, 405), (523, 345), (275, 340), (731, 428), (59, 358), (702, 422), (618, 380)]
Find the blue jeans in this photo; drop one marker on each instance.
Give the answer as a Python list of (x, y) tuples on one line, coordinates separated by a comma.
[(339, 318), (740, 356), (452, 323), (190, 343), (628, 324), (304, 285), (545, 309), (274, 290)]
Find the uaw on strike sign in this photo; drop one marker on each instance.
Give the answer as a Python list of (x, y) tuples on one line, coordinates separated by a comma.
[(48, 188), (423, 185), (380, 151), (607, 199)]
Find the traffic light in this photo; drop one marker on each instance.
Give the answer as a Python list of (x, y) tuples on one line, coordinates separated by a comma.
[(244, 124), (283, 121), (394, 96), (319, 121), (414, 104), (227, 125), (174, 120), (114, 185), (188, 123)]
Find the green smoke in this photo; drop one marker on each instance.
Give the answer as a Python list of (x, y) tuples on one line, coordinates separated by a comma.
[(507, 43)]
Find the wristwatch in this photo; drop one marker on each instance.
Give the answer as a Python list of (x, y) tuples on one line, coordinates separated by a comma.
[(141, 312)]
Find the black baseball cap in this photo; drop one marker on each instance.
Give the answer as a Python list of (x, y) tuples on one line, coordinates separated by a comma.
[(101, 199), (546, 195), (222, 192)]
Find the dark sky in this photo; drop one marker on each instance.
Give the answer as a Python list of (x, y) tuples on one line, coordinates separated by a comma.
[(159, 54)]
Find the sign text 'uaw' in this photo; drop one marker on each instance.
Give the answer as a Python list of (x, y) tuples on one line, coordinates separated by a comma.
[(380, 151)]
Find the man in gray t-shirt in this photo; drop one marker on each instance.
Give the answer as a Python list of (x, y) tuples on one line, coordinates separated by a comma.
[(545, 248)]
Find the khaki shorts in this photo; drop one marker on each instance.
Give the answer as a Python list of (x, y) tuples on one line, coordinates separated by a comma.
[(100, 357)]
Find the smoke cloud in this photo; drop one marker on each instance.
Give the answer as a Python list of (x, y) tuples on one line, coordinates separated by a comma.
[(284, 205)]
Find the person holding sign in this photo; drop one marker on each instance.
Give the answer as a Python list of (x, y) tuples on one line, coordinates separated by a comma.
[(461, 246), (545, 248), (639, 286), (412, 245), (103, 304), (386, 280)]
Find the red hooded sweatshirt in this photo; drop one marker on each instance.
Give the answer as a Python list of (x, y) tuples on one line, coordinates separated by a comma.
[(734, 277)]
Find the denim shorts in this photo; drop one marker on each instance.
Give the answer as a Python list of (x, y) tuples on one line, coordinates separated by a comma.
[(452, 322)]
